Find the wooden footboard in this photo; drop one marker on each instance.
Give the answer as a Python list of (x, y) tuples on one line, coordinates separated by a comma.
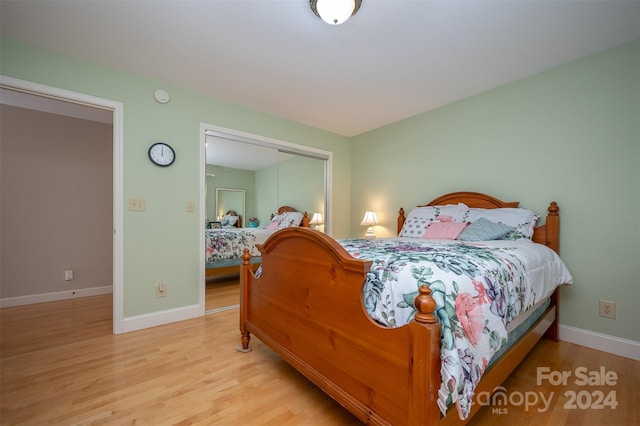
[(307, 307)]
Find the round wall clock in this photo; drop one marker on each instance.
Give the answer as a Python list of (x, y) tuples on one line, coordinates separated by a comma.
[(161, 154)]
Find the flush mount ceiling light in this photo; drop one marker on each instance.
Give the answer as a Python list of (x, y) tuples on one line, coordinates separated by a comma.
[(335, 12)]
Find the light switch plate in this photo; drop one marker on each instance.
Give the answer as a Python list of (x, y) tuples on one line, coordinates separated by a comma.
[(136, 204)]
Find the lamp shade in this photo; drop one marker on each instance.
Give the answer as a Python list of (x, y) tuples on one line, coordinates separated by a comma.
[(316, 219), (369, 219), (335, 12)]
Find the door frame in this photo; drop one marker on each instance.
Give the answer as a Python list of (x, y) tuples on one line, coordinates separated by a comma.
[(117, 109)]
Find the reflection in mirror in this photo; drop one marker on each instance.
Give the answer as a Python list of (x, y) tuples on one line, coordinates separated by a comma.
[(271, 175), (301, 182), (230, 200), (234, 164)]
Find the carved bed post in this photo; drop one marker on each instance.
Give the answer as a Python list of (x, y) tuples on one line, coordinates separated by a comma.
[(552, 227), (401, 219), (245, 271), (425, 374), (552, 240)]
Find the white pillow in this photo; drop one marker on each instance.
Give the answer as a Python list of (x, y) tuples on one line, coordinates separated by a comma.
[(523, 220), (290, 219), (419, 218), (229, 220)]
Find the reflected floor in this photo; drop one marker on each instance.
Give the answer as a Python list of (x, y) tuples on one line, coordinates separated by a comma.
[(222, 294)]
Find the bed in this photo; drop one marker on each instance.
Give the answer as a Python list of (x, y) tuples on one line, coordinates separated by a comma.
[(224, 246), (231, 219), (309, 304)]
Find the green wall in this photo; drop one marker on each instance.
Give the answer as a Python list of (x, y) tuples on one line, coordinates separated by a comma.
[(301, 184), (229, 178), (570, 134), (162, 243)]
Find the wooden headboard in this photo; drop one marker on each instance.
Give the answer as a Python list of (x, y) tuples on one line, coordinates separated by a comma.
[(234, 213), (547, 234), (285, 209)]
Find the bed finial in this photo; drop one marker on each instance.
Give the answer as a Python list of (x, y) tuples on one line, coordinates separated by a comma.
[(401, 219), (246, 257), (553, 209), (426, 305)]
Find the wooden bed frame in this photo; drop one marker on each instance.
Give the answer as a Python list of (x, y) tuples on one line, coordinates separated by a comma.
[(307, 307), (235, 269)]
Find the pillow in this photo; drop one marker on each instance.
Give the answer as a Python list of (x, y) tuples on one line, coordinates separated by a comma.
[(444, 230), (419, 218), (277, 218), (233, 220), (522, 220), (290, 219), (272, 225), (229, 220), (484, 230)]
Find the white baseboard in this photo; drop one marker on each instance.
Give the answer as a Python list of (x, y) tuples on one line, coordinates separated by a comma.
[(602, 342), (154, 319), (52, 297)]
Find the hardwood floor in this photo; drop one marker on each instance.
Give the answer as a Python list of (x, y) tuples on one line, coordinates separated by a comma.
[(222, 293), (61, 364)]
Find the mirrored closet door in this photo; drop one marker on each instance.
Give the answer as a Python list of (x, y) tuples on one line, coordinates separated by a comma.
[(269, 176)]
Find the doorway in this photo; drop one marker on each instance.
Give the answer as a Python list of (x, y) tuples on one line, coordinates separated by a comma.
[(70, 103)]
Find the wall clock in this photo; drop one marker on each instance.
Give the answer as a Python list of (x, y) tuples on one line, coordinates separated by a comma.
[(161, 154)]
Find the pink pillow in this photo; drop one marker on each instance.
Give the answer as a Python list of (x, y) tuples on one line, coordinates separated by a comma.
[(273, 225), (444, 230)]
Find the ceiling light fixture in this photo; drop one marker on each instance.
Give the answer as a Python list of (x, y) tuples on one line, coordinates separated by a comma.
[(335, 12)]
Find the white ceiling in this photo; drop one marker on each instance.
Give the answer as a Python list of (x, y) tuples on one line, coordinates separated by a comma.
[(245, 156), (392, 60)]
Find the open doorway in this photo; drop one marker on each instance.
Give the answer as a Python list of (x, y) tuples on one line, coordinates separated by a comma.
[(45, 103)]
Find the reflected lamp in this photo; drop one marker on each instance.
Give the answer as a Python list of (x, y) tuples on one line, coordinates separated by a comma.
[(316, 220)]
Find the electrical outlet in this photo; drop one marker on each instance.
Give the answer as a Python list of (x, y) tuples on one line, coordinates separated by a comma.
[(68, 274), (608, 309), (161, 289)]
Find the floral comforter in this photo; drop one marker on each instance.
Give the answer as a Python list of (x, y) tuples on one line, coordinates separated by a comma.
[(222, 244), (479, 288)]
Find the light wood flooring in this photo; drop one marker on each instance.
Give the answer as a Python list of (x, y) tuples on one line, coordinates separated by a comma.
[(222, 293), (61, 365)]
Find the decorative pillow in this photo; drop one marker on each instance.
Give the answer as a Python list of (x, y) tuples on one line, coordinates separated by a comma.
[(272, 225), (444, 230), (275, 219), (419, 218), (229, 220), (484, 230), (522, 220), (290, 219)]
